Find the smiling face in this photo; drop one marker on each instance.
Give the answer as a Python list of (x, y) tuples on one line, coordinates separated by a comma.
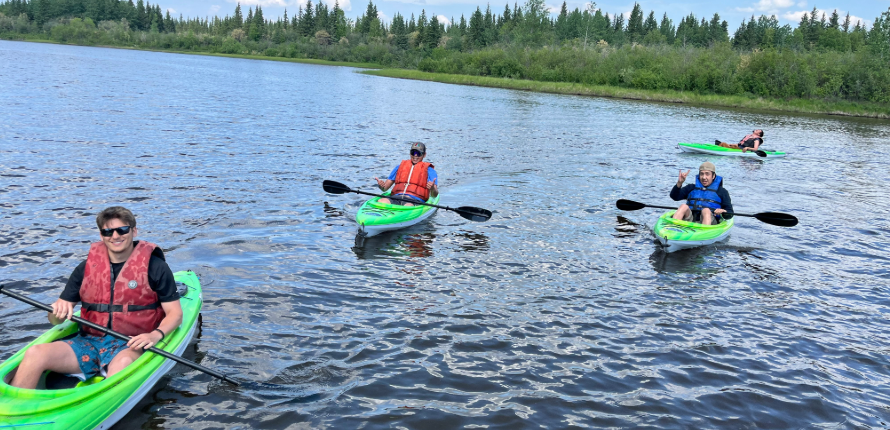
[(119, 246), (706, 177), (416, 156)]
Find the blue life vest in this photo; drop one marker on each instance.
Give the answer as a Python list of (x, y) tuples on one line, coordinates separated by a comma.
[(705, 197)]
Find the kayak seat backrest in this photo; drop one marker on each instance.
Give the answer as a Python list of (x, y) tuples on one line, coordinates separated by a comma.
[(91, 381)]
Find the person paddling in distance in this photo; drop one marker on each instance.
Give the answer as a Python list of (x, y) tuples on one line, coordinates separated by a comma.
[(751, 141), (124, 285), (414, 179), (706, 201)]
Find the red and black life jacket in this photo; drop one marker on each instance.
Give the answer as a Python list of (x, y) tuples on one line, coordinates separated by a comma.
[(129, 306), (412, 179)]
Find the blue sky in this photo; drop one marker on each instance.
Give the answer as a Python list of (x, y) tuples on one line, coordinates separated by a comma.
[(733, 11)]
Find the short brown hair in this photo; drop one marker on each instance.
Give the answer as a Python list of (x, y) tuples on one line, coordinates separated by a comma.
[(118, 212)]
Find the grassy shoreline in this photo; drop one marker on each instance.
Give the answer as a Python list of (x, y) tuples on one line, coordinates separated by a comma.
[(821, 107), (840, 108), (213, 54)]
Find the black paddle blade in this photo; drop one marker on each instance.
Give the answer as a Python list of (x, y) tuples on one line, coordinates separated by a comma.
[(777, 218), (760, 153), (334, 187), (629, 205), (473, 214)]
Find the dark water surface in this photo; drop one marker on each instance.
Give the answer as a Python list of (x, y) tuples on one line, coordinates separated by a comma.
[(558, 312)]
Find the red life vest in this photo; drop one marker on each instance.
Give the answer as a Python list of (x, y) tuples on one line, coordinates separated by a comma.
[(749, 140), (412, 179), (130, 306)]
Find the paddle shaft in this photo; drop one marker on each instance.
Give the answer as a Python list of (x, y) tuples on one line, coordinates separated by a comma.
[(673, 208), (404, 200), (120, 336)]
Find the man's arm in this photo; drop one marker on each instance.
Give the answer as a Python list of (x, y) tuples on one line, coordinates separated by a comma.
[(170, 322), (725, 203), (678, 193), (63, 308)]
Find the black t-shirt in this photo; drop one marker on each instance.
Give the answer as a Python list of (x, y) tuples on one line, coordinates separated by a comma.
[(751, 142), (160, 279)]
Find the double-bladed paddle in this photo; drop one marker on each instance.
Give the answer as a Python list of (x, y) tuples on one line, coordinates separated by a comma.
[(120, 336), (469, 212), (774, 218)]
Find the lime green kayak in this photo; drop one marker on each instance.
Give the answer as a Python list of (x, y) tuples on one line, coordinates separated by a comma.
[(675, 235), (60, 402), (711, 149), (374, 218)]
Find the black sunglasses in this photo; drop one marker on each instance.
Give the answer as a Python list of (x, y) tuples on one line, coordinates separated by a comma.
[(108, 232), (416, 153)]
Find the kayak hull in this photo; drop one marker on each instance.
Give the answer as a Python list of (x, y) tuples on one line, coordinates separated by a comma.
[(374, 218), (675, 235), (101, 404), (706, 148)]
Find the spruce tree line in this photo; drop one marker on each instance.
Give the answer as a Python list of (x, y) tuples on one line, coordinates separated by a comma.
[(527, 25), (824, 57)]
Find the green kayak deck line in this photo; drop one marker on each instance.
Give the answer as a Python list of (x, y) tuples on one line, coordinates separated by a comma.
[(709, 148), (374, 217), (98, 403), (675, 235)]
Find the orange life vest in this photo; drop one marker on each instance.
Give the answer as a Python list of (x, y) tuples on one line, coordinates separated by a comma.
[(129, 306), (412, 179)]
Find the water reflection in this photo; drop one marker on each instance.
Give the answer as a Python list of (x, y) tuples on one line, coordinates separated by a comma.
[(388, 244), (627, 228), (697, 261), (472, 242)]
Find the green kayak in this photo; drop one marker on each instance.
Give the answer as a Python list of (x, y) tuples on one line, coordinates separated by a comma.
[(374, 218), (711, 149), (61, 402), (675, 235)]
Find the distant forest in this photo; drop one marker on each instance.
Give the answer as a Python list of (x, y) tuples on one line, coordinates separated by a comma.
[(824, 57)]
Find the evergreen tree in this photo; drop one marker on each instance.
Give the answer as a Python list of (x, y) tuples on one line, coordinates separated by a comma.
[(651, 24), (238, 19), (432, 33), (141, 23), (834, 22), (562, 23), (259, 24), (307, 24), (635, 24)]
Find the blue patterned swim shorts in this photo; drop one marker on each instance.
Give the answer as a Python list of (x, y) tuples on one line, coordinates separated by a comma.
[(94, 353)]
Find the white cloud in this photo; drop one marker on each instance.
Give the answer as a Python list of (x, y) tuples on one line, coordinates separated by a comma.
[(382, 17), (214, 9), (443, 20), (346, 5), (802, 4), (171, 11), (796, 16), (279, 3), (744, 9)]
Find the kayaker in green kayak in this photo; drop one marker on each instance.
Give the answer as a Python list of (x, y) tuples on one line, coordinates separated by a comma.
[(124, 285), (414, 179), (706, 201), (751, 141)]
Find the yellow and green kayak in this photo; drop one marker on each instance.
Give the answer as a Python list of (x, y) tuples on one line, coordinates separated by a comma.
[(61, 402), (675, 235), (374, 217)]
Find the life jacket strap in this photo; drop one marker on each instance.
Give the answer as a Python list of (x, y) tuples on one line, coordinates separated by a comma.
[(106, 308)]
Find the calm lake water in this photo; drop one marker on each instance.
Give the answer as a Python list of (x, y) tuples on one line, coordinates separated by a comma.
[(558, 312)]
